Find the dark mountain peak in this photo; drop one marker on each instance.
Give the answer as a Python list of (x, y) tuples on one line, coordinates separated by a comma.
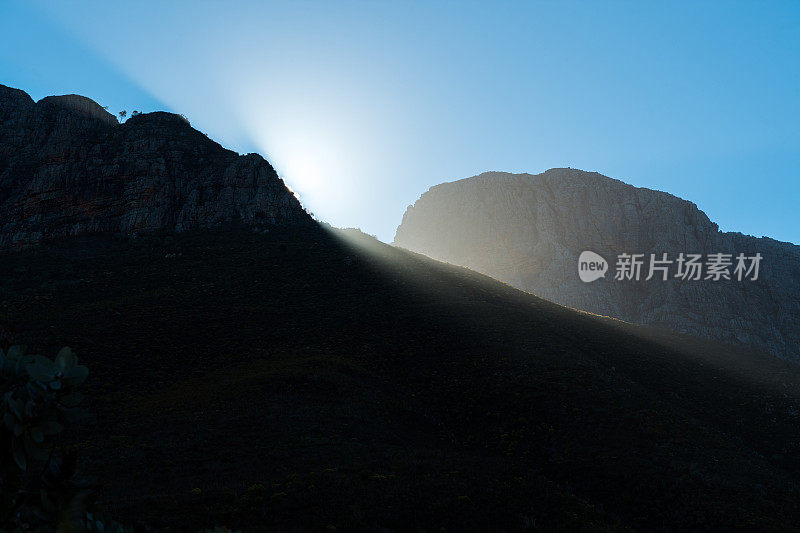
[(80, 105), (14, 97), (67, 167)]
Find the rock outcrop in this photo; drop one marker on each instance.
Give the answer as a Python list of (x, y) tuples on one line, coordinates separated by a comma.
[(528, 230), (67, 167)]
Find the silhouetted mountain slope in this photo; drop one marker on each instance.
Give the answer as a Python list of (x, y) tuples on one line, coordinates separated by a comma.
[(289, 380), (273, 375), (529, 230), (67, 167)]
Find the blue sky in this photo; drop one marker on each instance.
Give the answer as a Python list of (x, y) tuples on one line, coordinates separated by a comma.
[(362, 106)]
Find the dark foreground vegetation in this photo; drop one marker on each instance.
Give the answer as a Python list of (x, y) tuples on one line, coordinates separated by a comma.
[(304, 379)]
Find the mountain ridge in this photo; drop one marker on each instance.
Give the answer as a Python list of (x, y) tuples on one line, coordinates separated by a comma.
[(528, 230), (67, 168), (489, 173)]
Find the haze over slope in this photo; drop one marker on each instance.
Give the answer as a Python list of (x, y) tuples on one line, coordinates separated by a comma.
[(528, 230)]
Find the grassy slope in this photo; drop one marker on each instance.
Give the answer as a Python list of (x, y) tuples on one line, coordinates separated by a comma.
[(291, 381)]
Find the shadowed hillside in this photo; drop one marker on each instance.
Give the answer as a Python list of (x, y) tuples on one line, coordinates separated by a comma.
[(301, 379)]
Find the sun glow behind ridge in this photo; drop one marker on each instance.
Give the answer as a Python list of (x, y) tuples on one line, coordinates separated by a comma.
[(307, 112), (305, 152), (362, 106)]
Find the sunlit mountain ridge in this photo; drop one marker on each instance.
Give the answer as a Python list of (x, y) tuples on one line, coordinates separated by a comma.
[(530, 230)]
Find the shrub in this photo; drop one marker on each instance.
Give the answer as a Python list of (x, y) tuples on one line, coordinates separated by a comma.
[(39, 400)]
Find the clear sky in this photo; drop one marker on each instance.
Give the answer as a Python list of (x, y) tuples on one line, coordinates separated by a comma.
[(362, 106)]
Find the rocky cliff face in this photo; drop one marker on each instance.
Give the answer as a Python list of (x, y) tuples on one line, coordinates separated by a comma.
[(67, 167), (528, 230)]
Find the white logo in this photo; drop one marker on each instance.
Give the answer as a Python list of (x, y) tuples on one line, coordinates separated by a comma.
[(591, 266), (634, 267)]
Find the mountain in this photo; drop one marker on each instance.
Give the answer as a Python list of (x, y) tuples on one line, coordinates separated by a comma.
[(67, 167), (306, 378), (529, 231)]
